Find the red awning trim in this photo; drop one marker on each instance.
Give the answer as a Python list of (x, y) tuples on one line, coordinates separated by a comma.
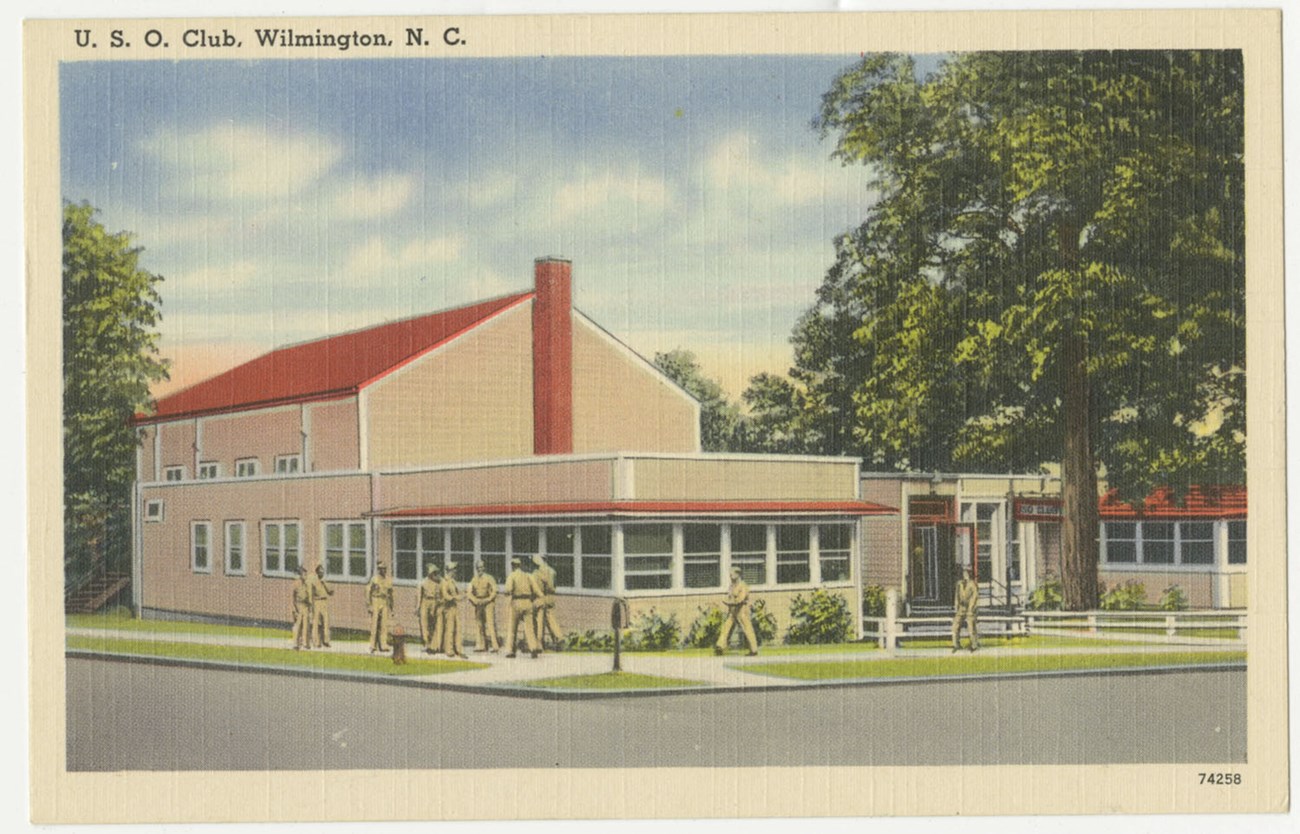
[(644, 508), (1225, 502)]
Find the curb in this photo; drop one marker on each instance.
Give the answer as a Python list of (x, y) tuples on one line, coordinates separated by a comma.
[(536, 693)]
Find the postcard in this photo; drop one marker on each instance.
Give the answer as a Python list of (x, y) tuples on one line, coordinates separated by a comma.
[(753, 415)]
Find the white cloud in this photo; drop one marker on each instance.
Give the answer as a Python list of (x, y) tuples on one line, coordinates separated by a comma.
[(377, 254), (235, 161), (608, 193), (369, 198), (218, 278), (739, 164)]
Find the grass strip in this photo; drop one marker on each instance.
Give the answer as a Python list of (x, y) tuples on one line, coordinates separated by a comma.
[(260, 656), (612, 680), (1032, 641), (975, 664)]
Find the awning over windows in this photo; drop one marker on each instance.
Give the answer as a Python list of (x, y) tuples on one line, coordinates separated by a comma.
[(620, 509)]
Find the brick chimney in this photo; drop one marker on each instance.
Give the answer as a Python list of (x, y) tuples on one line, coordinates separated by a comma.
[(553, 356)]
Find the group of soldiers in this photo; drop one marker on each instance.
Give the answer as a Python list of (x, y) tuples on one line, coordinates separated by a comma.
[(437, 609), (311, 609)]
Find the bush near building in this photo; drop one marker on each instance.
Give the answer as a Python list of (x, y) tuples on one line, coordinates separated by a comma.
[(1129, 596), (1047, 596), (1173, 599), (704, 630), (822, 617), (873, 601)]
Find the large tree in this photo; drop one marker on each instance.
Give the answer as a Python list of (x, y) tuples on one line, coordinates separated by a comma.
[(110, 358), (719, 416), (1054, 271)]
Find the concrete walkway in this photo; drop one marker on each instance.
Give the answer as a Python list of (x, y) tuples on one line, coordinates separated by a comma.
[(726, 671)]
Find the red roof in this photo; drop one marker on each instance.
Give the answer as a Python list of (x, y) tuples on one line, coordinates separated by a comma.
[(327, 368), (1200, 502), (644, 508)]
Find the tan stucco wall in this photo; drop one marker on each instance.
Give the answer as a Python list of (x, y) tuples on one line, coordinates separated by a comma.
[(470, 400), (882, 552), (1198, 586), (522, 483), (1238, 590), (178, 446), (620, 404), (333, 442), (738, 480), (254, 434), (145, 471)]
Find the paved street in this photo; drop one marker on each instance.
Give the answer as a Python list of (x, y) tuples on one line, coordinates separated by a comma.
[(124, 716)]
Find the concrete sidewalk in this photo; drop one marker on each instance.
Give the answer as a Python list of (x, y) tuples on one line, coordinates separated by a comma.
[(726, 671)]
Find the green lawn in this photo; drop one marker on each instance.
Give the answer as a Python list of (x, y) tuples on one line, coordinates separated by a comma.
[(1213, 633), (612, 680), (965, 663), (259, 656), (122, 620), (1030, 641)]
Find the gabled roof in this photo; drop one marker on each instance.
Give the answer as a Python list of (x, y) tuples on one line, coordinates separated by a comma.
[(1200, 502), (328, 368)]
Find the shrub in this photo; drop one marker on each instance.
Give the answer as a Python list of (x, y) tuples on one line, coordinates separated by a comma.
[(704, 631), (652, 632), (821, 618), (1129, 596), (873, 601), (589, 641), (1047, 596), (1173, 599)]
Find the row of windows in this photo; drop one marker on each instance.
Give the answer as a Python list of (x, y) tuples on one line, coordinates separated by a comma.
[(244, 468), (1169, 542), (655, 556)]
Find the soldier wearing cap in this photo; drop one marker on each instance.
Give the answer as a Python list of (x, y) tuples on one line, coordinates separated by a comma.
[(450, 597), (379, 602), (965, 604), (319, 631), (301, 611), (428, 612), (519, 587), (737, 602), (483, 596), (544, 616)]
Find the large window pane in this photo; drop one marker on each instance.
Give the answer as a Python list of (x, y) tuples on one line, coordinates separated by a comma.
[(561, 543), (1197, 542), (1236, 542), (833, 541), (1158, 543), (792, 555), (525, 542), (597, 564), (462, 552), (492, 552), (702, 552), (749, 552), (648, 556), (1121, 542)]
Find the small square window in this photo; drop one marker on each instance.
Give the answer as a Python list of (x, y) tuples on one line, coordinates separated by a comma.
[(246, 468), (209, 470), (174, 473), (288, 464), (153, 510)]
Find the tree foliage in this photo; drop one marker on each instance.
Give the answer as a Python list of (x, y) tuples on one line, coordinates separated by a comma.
[(111, 309), (1054, 272), (719, 417)]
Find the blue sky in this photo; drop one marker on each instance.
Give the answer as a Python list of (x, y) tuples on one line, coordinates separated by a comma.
[(286, 200)]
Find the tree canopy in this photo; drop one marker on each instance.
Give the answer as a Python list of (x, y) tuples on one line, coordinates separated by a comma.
[(1054, 272), (111, 310)]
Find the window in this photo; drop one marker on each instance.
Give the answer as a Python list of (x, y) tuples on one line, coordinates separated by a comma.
[(597, 561), (525, 543), (492, 552), (288, 464), (280, 548), (347, 549), (647, 556), (702, 555), (561, 544), (209, 470), (246, 468), (1236, 542), (200, 547), (174, 473), (792, 555), (235, 535), (462, 552), (1196, 542), (415, 548), (1157, 543), (833, 546), (749, 552), (1121, 542), (153, 510)]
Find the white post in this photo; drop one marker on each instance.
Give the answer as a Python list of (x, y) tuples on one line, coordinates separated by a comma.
[(890, 631), (1170, 629)]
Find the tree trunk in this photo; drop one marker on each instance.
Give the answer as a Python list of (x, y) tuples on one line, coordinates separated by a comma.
[(1078, 483)]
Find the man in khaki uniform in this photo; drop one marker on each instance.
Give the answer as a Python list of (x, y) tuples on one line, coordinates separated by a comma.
[(379, 602), (450, 597), (519, 586), (544, 614), (428, 613), (483, 596), (301, 611), (965, 605), (737, 602), (320, 609)]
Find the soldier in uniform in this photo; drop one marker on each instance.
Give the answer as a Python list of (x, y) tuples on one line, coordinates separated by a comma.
[(450, 597), (483, 596), (379, 602), (301, 611), (965, 605), (519, 586), (428, 613), (737, 602), (320, 609), (544, 577)]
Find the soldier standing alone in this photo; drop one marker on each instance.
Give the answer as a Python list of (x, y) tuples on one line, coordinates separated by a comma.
[(428, 613), (545, 604), (320, 609), (965, 605), (519, 586), (483, 595), (450, 597), (379, 602), (301, 611), (737, 602)]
